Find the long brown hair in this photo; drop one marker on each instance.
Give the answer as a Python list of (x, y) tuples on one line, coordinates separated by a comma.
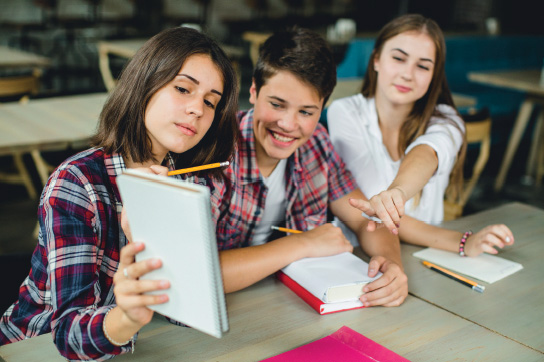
[(122, 126), (424, 108)]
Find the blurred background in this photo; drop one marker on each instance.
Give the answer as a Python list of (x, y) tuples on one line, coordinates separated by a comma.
[(481, 35)]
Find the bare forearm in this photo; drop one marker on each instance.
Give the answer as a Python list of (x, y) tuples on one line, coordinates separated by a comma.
[(381, 243), (246, 266), (417, 232), (415, 170)]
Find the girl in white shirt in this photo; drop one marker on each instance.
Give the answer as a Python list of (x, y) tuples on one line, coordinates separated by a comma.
[(404, 141)]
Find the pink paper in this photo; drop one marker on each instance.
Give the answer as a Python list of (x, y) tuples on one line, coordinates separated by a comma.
[(343, 345)]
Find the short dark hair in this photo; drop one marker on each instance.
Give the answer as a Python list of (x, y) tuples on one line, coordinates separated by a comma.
[(122, 126), (302, 52)]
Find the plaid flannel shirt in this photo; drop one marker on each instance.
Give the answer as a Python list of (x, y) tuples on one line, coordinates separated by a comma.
[(70, 285), (315, 176)]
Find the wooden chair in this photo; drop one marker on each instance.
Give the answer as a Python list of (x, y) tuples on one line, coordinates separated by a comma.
[(14, 87), (478, 131), (255, 40)]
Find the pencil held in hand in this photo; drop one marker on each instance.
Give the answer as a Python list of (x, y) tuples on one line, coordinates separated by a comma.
[(198, 168), (286, 230)]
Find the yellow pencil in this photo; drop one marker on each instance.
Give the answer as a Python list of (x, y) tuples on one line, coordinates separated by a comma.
[(469, 283), (198, 168), (286, 230)]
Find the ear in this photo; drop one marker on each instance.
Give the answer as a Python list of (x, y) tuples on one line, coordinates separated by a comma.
[(376, 62), (253, 93)]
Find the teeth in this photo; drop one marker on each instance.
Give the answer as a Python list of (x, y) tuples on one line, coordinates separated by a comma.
[(282, 138)]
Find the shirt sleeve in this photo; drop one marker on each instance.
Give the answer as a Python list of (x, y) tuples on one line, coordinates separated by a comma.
[(445, 136), (341, 120), (70, 225)]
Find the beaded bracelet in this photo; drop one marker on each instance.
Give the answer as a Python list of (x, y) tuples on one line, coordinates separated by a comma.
[(117, 344), (462, 243)]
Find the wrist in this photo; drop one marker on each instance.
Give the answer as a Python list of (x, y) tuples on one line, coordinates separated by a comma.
[(109, 329), (402, 191), (462, 243)]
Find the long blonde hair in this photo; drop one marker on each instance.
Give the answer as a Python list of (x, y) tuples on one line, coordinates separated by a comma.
[(424, 108)]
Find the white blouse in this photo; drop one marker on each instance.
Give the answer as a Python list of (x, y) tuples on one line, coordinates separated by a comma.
[(356, 136)]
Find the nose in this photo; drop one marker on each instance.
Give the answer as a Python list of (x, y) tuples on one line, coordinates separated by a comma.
[(408, 71), (195, 106), (288, 122)]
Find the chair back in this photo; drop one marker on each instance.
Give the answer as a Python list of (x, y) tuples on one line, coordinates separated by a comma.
[(478, 132), (23, 85)]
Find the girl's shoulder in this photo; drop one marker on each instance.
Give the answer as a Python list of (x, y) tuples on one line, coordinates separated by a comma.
[(446, 113), (356, 101)]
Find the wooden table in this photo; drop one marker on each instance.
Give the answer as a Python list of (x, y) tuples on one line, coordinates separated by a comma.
[(49, 124), (14, 58), (527, 81), (127, 48), (267, 318), (512, 307)]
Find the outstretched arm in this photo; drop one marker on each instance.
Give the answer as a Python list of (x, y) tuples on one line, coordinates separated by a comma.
[(384, 249), (415, 170), (417, 232)]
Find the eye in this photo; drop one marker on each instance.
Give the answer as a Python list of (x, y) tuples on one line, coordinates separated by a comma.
[(306, 113), (181, 89), (209, 104), (398, 59), (275, 105), (423, 67)]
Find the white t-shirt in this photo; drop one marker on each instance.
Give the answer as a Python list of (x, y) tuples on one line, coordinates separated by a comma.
[(275, 204), (356, 136)]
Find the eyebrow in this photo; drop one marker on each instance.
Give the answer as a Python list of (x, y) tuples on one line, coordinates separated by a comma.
[(403, 52), (197, 83), (283, 101)]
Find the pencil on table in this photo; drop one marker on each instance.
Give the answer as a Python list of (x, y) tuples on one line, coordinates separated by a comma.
[(286, 230), (198, 168), (469, 283)]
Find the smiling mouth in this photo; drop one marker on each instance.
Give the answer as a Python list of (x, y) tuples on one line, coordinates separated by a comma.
[(402, 89), (281, 138)]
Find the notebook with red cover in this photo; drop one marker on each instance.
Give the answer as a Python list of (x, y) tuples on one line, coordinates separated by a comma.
[(314, 302), (344, 345)]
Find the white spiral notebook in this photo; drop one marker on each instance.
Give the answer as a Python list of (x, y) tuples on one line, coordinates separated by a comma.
[(173, 219)]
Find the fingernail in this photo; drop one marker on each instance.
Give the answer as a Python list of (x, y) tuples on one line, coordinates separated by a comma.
[(508, 239), (155, 262), (371, 270), (164, 284), (397, 225), (395, 231)]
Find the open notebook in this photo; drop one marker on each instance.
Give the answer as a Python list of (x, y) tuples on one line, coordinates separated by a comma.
[(484, 267), (173, 219)]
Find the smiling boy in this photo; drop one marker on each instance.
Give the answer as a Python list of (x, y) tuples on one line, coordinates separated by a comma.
[(286, 172)]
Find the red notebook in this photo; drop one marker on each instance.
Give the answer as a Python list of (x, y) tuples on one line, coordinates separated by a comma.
[(343, 345), (314, 302)]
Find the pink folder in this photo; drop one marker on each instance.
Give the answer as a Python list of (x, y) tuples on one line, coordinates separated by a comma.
[(343, 345)]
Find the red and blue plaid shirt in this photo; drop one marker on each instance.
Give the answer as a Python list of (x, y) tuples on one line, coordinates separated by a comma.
[(70, 285), (315, 175)]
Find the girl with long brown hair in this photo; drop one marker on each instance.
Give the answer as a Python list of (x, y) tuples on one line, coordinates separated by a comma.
[(403, 139), (174, 106)]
